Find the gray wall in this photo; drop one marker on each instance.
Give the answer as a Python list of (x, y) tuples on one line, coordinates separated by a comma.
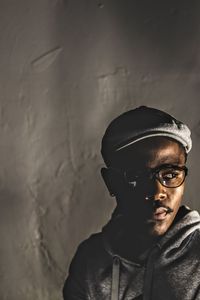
[(67, 68)]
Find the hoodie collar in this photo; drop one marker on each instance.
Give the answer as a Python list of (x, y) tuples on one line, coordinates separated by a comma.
[(186, 222)]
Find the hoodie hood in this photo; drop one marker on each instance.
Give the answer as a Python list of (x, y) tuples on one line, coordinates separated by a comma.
[(179, 231), (117, 239)]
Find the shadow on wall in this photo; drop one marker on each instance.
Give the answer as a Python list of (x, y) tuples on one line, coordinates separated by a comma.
[(169, 28)]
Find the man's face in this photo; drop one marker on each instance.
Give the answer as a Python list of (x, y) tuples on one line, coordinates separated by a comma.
[(150, 206)]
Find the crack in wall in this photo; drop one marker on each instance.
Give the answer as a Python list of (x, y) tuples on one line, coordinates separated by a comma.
[(45, 60)]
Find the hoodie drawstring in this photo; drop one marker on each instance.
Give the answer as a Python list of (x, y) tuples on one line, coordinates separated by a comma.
[(148, 281), (115, 278)]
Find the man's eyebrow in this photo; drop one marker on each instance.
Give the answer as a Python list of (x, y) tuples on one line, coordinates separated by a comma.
[(171, 165), (169, 160), (168, 165)]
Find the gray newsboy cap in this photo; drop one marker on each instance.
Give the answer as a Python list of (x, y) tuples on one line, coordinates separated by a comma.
[(141, 123)]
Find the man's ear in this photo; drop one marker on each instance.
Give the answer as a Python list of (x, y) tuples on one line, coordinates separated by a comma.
[(108, 178)]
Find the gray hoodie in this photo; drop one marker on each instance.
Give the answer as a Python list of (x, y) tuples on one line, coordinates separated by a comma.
[(169, 270)]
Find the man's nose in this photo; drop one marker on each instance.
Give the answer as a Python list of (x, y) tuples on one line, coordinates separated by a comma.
[(156, 190)]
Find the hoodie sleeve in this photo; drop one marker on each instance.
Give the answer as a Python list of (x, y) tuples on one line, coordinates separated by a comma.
[(75, 287)]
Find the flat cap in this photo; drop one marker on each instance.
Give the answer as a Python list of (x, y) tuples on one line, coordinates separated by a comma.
[(141, 123)]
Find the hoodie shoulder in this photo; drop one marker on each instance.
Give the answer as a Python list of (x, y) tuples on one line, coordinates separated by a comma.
[(93, 250)]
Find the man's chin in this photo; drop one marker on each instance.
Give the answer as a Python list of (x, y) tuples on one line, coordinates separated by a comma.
[(159, 224), (152, 225), (157, 228)]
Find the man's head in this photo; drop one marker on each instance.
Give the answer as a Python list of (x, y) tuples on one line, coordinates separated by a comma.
[(145, 150)]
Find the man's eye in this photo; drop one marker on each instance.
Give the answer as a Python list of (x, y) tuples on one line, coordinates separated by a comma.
[(170, 175)]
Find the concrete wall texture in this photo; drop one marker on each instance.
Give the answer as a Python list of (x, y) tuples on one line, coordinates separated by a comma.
[(67, 68)]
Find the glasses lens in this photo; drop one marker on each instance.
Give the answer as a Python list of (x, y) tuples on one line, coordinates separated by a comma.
[(171, 177)]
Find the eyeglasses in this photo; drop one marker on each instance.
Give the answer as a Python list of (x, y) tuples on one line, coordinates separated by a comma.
[(169, 176)]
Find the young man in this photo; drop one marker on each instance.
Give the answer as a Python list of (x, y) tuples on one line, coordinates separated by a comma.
[(150, 249)]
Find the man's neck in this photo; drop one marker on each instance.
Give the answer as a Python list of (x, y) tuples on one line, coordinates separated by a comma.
[(133, 244)]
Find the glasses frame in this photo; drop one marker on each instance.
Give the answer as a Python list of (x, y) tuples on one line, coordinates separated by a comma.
[(153, 173)]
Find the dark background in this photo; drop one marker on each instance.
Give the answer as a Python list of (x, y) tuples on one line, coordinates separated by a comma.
[(67, 68)]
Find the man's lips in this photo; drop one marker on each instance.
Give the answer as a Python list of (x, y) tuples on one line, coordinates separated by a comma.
[(160, 213)]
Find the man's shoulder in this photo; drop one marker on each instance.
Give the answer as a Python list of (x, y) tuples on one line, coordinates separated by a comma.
[(93, 247), (91, 254), (94, 241)]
